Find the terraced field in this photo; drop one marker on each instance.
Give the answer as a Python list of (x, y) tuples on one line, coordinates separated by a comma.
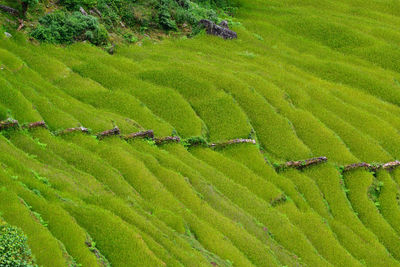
[(304, 79)]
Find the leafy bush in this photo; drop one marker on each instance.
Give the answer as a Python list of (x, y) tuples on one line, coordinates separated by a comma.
[(14, 250), (164, 16), (194, 13), (110, 17), (218, 3), (128, 16), (30, 2), (74, 4), (25, 4), (130, 38), (64, 28)]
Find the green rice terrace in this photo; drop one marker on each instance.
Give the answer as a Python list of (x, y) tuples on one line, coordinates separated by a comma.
[(141, 140)]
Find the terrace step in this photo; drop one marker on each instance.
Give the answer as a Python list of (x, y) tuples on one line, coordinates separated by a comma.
[(233, 141), (111, 132), (301, 164), (357, 166), (167, 139), (142, 134), (7, 124), (72, 130), (372, 167), (36, 124)]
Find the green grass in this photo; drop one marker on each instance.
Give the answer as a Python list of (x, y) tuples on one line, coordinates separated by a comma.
[(43, 245), (345, 219), (282, 230), (304, 79), (358, 183), (194, 200), (388, 200), (208, 102), (102, 224)]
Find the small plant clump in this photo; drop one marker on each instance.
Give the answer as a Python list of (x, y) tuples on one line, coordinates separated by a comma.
[(279, 200), (374, 192), (41, 178), (342, 181), (14, 250), (195, 141)]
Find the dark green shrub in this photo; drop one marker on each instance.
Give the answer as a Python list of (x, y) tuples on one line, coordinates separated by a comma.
[(130, 38), (64, 28), (110, 17), (216, 3), (164, 16), (75, 4), (186, 12), (30, 2), (25, 4), (14, 250), (128, 15), (194, 14), (183, 3)]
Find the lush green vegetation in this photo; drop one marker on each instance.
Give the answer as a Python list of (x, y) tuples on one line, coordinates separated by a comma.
[(14, 250), (106, 22), (59, 27), (304, 79)]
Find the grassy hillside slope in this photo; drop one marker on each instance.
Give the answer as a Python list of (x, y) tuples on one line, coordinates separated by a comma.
[(304, 79)]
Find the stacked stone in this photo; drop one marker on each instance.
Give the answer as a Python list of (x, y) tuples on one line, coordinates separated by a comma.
[(36, 124), (111, 132), (73, 130), (357, 166), (142, 134), (234, 141), (8, 124)]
